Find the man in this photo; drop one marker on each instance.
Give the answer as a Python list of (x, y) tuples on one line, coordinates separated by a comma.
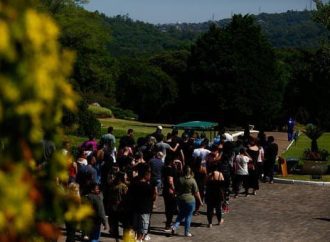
[(157, 133), (141, 195), (271, 152), (109, 141), (127, 140), (164, 147), (95, 199), (108, 138)]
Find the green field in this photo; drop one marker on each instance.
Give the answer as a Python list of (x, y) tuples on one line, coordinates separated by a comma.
[(303, 143), (120, 127)]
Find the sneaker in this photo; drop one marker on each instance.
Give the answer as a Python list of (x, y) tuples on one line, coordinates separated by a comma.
[(209, 225), (85, 238), (167, 229), (254, 193), (188, 234), (146, 237), (271, 182), (173, 230)]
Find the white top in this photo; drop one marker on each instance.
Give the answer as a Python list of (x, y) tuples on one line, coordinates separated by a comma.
[(229, 137), (201, 152), (261, 154), (242, 161)]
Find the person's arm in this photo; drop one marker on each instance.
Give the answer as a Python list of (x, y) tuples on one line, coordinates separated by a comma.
[(170, 181), (198, 197), (175, 148)]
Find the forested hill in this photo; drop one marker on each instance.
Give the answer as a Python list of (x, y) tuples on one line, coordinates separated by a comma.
[(290, 29)]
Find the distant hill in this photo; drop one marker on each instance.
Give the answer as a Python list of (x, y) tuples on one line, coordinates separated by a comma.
[(293, 29)]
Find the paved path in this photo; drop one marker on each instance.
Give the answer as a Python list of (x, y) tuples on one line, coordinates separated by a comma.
[(278, 212)]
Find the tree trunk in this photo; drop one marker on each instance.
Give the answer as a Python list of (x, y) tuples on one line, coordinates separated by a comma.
[(314, 146)]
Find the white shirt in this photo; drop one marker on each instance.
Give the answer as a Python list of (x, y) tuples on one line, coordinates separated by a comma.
[(201, 153), (242, 161)]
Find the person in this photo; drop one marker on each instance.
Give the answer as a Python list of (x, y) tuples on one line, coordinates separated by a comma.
[(253, 152), (74, 196), (115, 207), (271, 152), (164, 147), (89, 144), (141, 195), (214, 195), (169, 177), (290, 129), (95, 198), (156, 165), (127, 140), (157, 133), (108, 138), (200, 175), (241, 172), (201, 152), (187, 193)]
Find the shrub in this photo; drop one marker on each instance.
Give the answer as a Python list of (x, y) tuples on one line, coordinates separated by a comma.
[(322, 155), (124, 113), (100, 112)]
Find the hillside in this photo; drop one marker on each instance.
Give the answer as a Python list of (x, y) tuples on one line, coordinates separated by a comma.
[(284, 30)]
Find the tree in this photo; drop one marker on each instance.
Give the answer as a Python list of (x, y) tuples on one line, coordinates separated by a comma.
[(34, 91), (145, 89), (234, 69), (322, 15), (313, 132)]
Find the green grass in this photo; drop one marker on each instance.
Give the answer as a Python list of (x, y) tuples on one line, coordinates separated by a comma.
[(303, 143)]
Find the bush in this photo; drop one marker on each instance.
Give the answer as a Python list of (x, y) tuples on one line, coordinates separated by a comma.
[(322, 155), (100, 112), (124, 113), (88, 124)]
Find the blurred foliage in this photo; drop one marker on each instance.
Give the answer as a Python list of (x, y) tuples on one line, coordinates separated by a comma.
[(322, 15), (34, 71)]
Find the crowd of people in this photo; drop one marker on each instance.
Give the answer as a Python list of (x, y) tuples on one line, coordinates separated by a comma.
[(122, 181)]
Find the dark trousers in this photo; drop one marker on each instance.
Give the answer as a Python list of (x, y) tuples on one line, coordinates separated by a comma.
[(170, 208), (269, 169), (114, 218), (210, 209), (239, 179)]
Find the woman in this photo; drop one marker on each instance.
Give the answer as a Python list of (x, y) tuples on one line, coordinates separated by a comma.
[(214, 195), (187, 192), (241, 172), (253, 152), (115, 208), (169, 176)]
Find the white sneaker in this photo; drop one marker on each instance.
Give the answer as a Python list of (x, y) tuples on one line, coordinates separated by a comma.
[(146, 237)]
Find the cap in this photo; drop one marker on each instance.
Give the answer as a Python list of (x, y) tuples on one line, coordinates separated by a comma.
[(159, 127)]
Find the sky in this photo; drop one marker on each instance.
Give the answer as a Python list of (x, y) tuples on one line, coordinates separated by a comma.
[(192, 11)]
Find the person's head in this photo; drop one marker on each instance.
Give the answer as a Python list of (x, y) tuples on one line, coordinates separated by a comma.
[(94, 188), (138, 155), (160, 138), (252, 141), (144, 171), (175, 132), (130, 132), (186, 171), (120, 177), (110, 130), (270, 139), (159, 155), (91, 159), (159, 128), (242, 151), (91, 137)]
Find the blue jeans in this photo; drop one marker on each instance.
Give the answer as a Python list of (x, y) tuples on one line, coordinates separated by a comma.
[(185, 212), (95, 233)]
